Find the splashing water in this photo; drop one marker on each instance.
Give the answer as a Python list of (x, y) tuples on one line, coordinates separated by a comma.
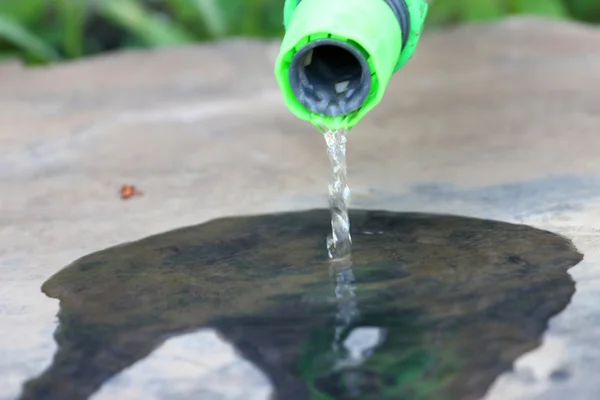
[(339, 242)]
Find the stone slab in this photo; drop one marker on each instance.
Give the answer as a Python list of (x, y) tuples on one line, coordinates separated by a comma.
[(497, 121)]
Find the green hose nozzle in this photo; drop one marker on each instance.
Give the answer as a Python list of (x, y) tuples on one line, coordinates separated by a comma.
[(337, 56)]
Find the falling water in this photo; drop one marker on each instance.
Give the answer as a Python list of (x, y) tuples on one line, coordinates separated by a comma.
[(344, 292), (339, 242)]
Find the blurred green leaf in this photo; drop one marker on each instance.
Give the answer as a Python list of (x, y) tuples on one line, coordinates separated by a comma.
[(25, 40), (212, 16), (26, 12), (480, 10), (9, 55), (183, 10), (585, 10), (208, 13), (151, 28), (546, 8), (252, 25), (442, 12), (254, 17), (72, 16)]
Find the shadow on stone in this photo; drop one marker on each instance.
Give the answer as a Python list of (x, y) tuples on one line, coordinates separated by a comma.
[(432, 306)]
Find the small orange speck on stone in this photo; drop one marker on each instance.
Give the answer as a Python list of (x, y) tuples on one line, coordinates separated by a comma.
[(128, 191)]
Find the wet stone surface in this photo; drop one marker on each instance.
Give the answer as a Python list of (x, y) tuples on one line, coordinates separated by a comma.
[(430, 306)]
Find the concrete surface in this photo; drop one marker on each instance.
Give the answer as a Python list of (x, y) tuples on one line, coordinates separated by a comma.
[(499, 121)]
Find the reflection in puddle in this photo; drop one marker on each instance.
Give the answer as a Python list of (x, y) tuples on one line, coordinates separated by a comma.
[(432, 307), (361, 342)]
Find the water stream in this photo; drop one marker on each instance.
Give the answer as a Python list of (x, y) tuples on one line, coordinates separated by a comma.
[(352, 350), (339, 242)]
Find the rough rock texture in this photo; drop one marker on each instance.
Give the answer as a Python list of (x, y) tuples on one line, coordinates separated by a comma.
[(497, 121)]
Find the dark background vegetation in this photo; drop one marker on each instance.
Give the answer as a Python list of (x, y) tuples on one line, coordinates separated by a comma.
[(46, 31)]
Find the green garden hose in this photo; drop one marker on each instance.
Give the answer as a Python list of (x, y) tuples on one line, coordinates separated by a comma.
[(337, 56)]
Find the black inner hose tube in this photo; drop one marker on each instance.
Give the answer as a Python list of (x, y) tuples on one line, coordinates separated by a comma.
[(330, 77)]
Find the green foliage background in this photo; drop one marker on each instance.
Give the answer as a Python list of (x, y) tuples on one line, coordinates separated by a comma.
[(45, 31)]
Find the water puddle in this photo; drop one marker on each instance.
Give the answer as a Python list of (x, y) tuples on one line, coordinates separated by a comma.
[(431, 307)]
